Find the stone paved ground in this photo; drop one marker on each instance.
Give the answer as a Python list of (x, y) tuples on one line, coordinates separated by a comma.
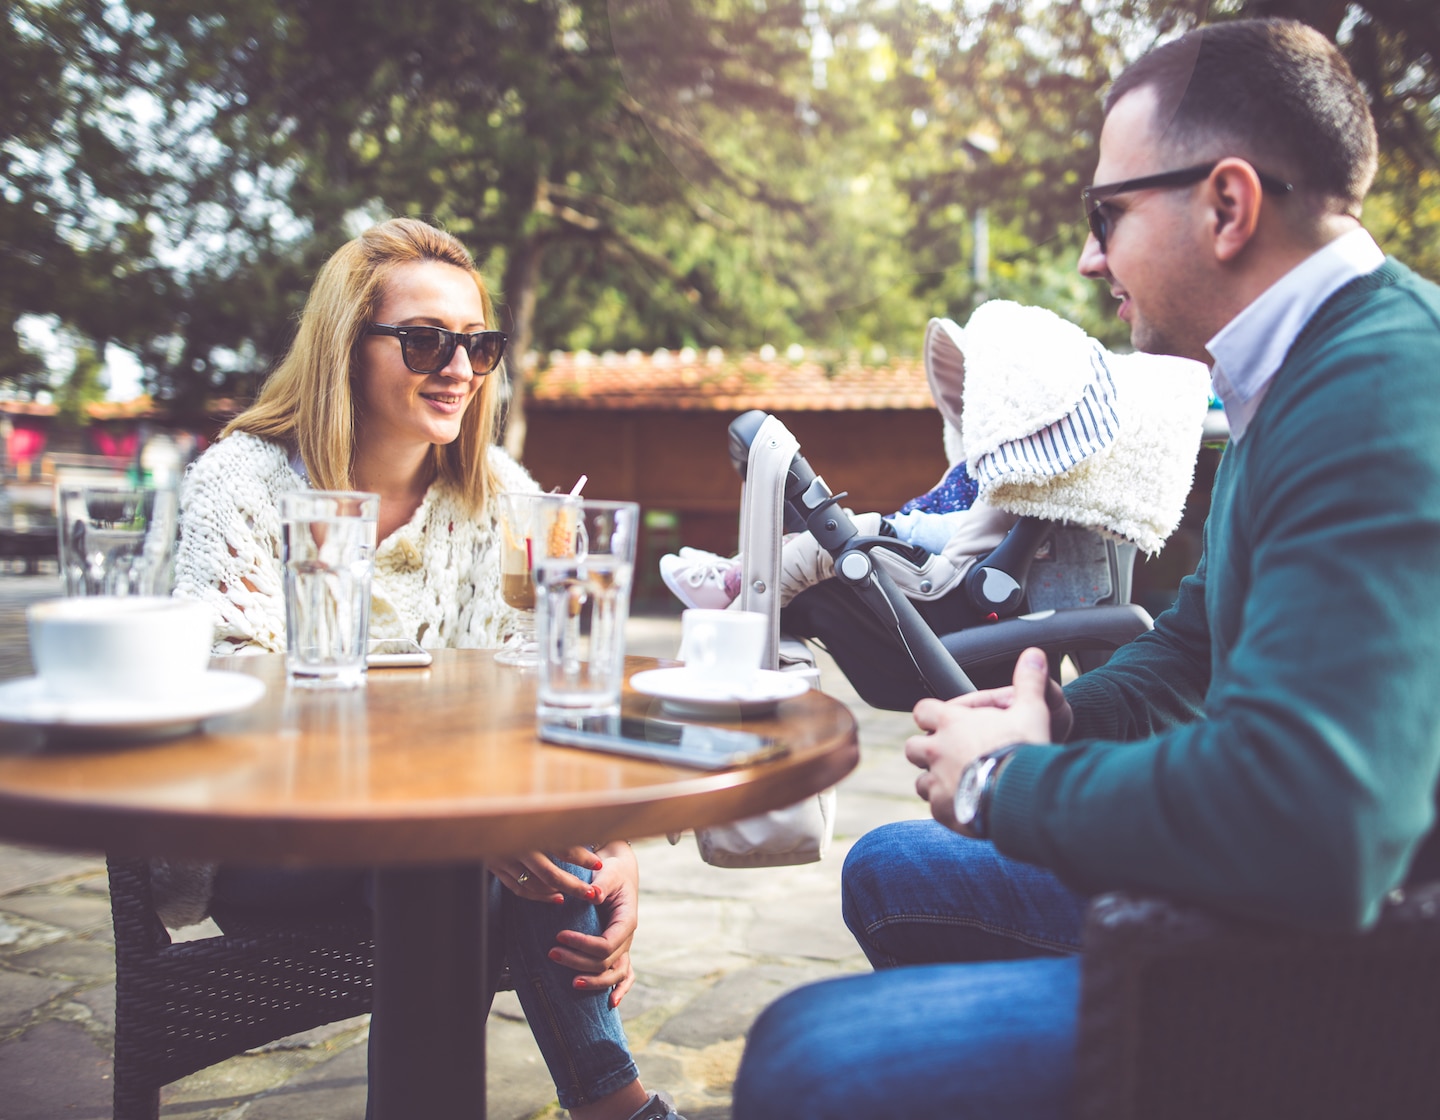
[(714, 948)]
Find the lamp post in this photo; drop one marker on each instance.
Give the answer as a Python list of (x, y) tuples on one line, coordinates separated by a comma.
[(979, 147)]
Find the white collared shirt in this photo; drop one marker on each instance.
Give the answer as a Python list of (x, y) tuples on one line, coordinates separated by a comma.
[(1252, 346)]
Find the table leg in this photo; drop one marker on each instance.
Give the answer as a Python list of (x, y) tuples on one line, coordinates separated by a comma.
[(428, 1029)]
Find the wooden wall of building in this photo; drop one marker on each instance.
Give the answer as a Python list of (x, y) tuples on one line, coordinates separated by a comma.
[(679, 462)]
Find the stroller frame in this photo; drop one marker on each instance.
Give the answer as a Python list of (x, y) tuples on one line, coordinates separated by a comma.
[(997, 614)]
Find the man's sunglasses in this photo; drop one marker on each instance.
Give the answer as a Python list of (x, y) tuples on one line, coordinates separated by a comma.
[(429, 349), (1101, 222)]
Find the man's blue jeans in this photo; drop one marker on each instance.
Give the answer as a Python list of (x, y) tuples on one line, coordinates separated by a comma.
[(983, 1026), (578, 1033)]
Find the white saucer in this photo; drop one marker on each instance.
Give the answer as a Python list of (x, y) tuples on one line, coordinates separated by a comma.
[(25, 701), (685, 693)]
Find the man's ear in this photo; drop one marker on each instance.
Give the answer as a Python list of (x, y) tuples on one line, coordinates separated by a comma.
[(1233, 194)]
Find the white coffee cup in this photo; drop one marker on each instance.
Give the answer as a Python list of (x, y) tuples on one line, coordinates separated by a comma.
[(723, 645), (128, 648)]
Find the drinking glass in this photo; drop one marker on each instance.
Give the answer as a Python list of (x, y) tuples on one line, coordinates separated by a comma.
[(524, 519), (117, 540), (327, 545), (583, 570)]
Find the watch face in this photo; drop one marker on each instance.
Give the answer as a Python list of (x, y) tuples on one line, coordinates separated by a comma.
[(967, 793)]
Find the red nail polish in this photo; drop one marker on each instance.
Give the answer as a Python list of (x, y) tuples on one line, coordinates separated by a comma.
[(558, 899), (581, 984), (598, 866), (592, 893), (554, 954)]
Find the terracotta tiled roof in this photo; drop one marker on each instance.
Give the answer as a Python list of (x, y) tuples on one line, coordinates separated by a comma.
[(715, 381)]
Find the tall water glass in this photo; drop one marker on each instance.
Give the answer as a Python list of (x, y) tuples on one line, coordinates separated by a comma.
[(583, 571), (524, 519), (116, 539), (328, 549)]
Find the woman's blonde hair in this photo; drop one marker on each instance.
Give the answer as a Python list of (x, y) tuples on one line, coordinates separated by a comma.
[(308, 401)]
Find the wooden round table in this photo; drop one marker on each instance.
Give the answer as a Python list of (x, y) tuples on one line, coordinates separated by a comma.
[(422, 775)]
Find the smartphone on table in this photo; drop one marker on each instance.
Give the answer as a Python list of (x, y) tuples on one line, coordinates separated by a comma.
[(682, 744), (396, 653)]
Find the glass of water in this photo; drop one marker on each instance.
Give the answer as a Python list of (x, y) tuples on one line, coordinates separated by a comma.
[(117, 540), (583, 570), (328, 549)]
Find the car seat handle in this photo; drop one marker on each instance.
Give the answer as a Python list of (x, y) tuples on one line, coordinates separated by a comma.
[(996, 585)]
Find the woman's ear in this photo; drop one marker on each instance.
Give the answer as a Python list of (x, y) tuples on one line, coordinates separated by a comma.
[(1234, 196)]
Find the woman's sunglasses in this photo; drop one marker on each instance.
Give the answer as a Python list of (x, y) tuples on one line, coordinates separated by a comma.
[(429, 349), (1102, 222)]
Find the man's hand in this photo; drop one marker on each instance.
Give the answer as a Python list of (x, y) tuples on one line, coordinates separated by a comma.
[(604, 961), (959, 731)]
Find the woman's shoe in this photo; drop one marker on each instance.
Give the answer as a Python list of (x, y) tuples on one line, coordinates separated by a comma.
[(658, 1107)]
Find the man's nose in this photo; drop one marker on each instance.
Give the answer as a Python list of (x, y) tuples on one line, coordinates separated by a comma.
[(1092, 261)]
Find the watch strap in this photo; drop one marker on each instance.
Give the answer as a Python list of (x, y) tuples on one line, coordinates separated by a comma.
[(981, 825)]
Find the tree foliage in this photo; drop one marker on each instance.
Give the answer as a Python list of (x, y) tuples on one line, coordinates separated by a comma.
[(630, 173)]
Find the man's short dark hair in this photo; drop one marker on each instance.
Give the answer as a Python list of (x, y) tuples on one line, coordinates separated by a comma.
[(1278, 92)]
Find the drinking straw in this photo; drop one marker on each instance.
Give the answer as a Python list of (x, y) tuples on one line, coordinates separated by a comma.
[(575, 490)]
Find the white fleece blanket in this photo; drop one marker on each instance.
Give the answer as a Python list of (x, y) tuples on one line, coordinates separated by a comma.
[(1056, 426)]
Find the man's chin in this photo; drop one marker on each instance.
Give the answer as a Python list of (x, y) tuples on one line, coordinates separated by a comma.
[(1149, 342)]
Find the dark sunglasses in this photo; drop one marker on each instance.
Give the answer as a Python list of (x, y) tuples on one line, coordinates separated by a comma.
[(1101, 222), (429, 349)]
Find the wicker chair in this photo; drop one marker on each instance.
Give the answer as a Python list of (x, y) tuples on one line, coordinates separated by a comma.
[(182, 1007), (1186, 1015)]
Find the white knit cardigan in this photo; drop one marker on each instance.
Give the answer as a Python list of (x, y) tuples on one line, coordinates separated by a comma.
[(437, 578)]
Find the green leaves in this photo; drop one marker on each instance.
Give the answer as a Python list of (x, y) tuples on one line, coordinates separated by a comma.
[(629, 173)]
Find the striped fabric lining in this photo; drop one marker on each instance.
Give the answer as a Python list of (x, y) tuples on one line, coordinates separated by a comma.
[(1090, 427)]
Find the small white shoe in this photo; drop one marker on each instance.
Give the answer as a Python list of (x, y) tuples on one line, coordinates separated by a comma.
[(701, 579)]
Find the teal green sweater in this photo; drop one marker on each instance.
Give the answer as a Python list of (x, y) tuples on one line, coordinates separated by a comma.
[(1272, 747)]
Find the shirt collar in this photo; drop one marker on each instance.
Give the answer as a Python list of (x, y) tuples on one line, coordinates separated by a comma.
[(1250, 348)]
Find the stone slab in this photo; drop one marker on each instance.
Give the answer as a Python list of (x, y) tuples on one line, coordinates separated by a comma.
[(73, 958), (23, 866), (727, 1009), (21, 994), (78, 912), (334, 1089), (100, 1001), (55, 1070)]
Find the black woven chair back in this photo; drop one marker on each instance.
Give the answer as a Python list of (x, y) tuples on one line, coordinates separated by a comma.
[(182, 1007), (1186, 1016)]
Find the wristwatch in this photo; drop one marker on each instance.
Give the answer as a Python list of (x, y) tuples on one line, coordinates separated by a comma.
[(976, 786)]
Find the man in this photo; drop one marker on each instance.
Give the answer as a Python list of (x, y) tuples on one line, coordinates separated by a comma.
[(1271, 749)]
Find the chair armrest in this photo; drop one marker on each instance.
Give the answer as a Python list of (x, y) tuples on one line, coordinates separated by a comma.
[(1185, 1013)]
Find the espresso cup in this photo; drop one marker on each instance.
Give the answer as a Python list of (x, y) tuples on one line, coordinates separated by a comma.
[(723, 645), (130, 649)]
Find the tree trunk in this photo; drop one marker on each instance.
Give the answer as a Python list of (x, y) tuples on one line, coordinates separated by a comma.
[(522, 282)]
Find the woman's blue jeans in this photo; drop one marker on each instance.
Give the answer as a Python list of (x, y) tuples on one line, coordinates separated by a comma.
[(578, 1032), (980, 1021)]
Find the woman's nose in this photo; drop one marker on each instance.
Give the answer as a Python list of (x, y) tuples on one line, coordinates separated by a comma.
[(459, 366)]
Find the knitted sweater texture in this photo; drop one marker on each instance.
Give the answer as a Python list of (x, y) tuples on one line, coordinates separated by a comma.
[(437, 578), (1272, 747)]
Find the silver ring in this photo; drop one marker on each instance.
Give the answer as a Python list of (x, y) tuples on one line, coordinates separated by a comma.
[(523, 877)]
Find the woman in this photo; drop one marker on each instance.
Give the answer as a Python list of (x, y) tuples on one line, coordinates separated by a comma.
[(387, 389)]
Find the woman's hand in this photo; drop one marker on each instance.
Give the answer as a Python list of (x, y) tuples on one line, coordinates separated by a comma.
[(535, 876), (604, 961)]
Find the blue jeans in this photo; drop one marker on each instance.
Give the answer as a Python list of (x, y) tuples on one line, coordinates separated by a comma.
[(980, 1022), (578, 1032)]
